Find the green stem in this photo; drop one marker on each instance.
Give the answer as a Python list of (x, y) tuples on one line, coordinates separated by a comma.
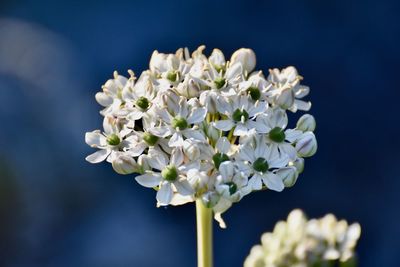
[(204, 235)]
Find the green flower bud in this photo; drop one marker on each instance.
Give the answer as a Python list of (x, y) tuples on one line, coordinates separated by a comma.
[(180, 123), (260, 165), (172, 76), (113, 140), (232, 187), (277, 135), (254, 93), (219, 82), (170, 173), (143, 103), (238, 114), (150, 139), (219, 158)]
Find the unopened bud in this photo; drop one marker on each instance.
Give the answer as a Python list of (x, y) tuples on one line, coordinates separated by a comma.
[(299, 164), (306, 123), (124, 165), (286, 98), (306, 146), (246, 57), (289, 175)]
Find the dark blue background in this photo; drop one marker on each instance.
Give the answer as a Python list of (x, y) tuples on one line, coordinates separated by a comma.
[(58, 210)]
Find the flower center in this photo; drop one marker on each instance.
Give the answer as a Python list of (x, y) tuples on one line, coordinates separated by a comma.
[(113, 140), (260, 165), (254, 93), (219, 158), (143, 103), (172, 75), (150, 139), (238, 114), (219, 68), (232, 187), (170, 173), (277, 135), (219, 82), (180, 123)]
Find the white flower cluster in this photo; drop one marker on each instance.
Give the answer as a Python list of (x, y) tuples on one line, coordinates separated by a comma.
[(302, 243), (194, 127)]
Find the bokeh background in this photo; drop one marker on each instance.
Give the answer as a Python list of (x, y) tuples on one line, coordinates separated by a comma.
[(58, 210)]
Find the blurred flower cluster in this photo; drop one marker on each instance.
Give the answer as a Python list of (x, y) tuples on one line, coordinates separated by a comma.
[(299, 242), (196, 127)]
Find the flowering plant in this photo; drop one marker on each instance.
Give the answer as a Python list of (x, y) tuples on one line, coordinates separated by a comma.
[(205, 129), (299, 242)]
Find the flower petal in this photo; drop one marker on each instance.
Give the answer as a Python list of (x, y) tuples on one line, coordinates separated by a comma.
[(224, 125), (226, 170), (164, 194), (176, 140), (240, 130), (194, 134), (183, 187), (95, 139), (103, 99), (149, 180), (223, 145), (98, 156), (197, 115), (161, 131), (273, 182), (255, 182)]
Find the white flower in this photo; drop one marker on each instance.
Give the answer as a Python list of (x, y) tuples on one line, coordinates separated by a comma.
[(177, 121), (274, 123), (231, 186), (255, 86), (109, 143), (220, 80), (111, 96), (169, 176), (285, 89), (219, 83), (169, 64), (241, 114), (139, 97), (258, 161), (231, 183), (139, 141)]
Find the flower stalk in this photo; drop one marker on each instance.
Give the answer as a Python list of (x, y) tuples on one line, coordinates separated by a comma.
[(204, 235)]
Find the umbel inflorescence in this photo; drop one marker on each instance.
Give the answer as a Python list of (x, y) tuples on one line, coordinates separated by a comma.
[(299, 242), (197, 127)]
